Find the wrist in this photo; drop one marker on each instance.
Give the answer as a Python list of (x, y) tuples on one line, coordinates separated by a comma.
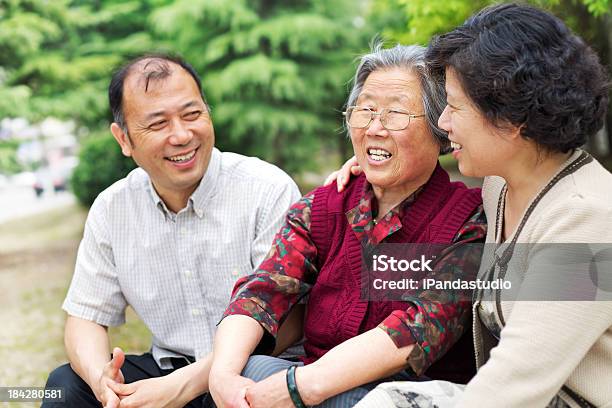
[(219, 377), (220, 373), (93, 378), (195, 377), (181, 386), (309, 386)]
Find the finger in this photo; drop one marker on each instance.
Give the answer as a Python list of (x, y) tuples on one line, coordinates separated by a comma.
[(112, 401), (122, 389), (344, 175), (340, 183), (130, 401), (356, 170), (330, 179), (116, 363), (243, 402), (119, 377), (118, 358)]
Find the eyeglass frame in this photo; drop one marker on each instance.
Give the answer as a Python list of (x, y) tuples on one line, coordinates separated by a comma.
[(382, 111)]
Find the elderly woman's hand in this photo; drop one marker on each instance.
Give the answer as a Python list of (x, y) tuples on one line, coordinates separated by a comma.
[(272, 392), (343, 175)]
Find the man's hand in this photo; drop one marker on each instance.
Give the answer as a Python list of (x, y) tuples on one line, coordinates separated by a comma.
[(343, 175), (166, 392), (228, 390), (111, 374)]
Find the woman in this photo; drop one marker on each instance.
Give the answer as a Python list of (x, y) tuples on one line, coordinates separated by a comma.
[(524, 94), (403, 196)]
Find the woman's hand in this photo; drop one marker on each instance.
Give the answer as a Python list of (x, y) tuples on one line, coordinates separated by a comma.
[(236, 338), (272, 392), (343, 175), (228, 390)]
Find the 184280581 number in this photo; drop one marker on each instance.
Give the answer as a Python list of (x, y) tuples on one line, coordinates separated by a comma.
[(26, 394)]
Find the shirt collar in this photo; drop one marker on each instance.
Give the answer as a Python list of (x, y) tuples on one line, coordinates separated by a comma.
[(202, 193), (361, 217)]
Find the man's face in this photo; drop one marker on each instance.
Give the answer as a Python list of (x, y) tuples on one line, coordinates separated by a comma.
[(170, 132)]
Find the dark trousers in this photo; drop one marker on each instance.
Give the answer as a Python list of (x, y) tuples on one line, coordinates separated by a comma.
[(79, 395)]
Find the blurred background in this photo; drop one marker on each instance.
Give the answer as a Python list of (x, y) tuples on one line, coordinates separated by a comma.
[(276, 74)]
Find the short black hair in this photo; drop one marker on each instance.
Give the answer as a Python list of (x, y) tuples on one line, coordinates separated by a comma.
[(522, 66), (159, 69)]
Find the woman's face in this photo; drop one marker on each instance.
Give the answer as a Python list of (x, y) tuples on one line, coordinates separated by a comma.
[(480, 148), (394, 159)]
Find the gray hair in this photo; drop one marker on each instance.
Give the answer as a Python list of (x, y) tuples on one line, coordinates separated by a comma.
[(410, 57)]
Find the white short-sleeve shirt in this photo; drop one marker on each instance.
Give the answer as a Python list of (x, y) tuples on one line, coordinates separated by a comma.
[(177, 270)]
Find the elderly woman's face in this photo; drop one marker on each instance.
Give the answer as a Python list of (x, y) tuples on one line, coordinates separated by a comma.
[(394, 158)]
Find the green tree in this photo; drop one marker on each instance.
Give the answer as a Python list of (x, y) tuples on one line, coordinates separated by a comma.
[(100, 165), (275, 72), (55, 60), (8, 157), (56, 57), (416, 21)]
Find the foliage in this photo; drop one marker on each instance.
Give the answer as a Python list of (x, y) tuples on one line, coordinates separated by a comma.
[(100, 165), (8, 157), (275, 72), (416, 21), (56, 56)]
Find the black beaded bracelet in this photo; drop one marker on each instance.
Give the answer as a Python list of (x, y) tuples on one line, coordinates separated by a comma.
[(293, 390)]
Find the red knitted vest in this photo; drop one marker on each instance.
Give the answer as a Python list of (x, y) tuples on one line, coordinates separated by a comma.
[(335, 312)]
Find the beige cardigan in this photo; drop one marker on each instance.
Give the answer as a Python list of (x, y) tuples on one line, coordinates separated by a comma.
[(545, 345)]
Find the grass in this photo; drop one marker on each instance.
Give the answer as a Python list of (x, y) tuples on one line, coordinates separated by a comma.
[(37, 256)]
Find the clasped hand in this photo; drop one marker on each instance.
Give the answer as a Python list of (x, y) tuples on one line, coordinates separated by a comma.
[(234, 391), (154, 392)]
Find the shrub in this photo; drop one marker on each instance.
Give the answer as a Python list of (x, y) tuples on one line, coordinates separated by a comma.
[(100, 165)]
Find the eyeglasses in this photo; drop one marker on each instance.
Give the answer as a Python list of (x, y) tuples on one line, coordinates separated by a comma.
[(390, 118)]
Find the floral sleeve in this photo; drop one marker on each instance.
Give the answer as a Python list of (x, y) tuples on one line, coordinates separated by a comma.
[(284, 277), (434, 326)]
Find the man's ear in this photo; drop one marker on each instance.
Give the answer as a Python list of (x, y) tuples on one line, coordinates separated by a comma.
[(122, 138)]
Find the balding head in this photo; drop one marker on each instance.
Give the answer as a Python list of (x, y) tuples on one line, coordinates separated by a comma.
[(144, 71)]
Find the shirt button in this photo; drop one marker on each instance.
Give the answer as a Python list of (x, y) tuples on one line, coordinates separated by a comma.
[(195, 312), (187, 273), (183, 230), (235, 272)]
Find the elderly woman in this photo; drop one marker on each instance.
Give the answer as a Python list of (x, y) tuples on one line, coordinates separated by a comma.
[(524, 94), (403, 196)]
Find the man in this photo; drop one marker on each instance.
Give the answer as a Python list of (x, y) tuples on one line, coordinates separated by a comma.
[(170, 240)]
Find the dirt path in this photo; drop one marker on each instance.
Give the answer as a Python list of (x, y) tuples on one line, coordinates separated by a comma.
[(36, 260)]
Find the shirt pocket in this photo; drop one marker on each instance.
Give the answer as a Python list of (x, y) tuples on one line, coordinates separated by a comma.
[(221, 278)]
